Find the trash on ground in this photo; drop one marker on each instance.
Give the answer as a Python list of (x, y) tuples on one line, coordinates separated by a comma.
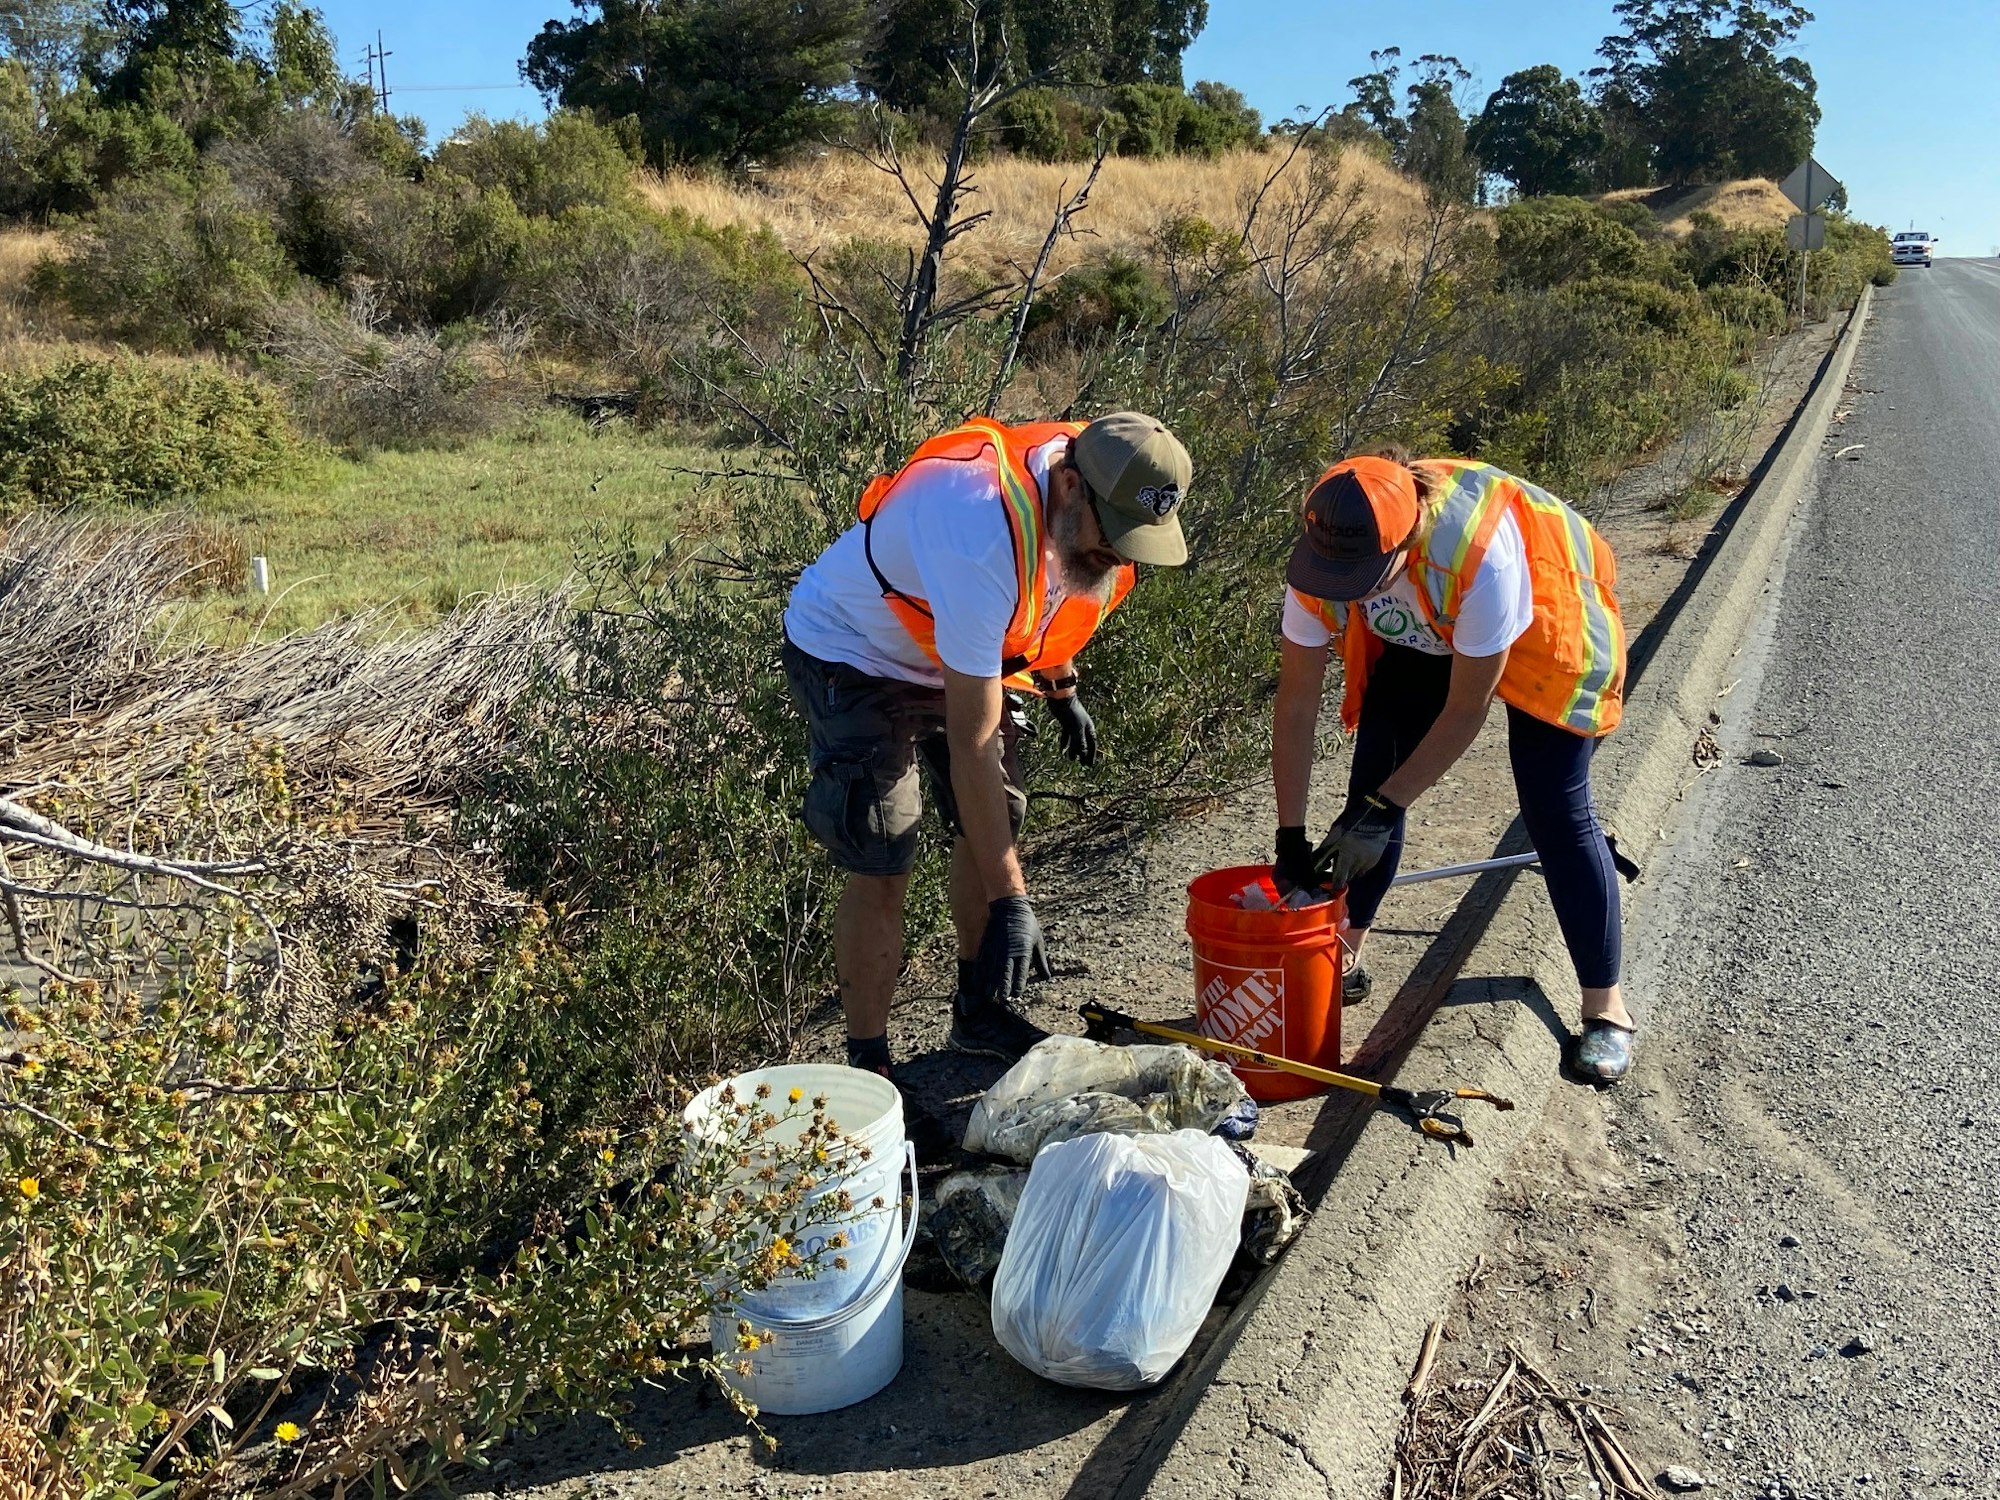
[(969, 1224), (1274, 1212), (1115, 1255), (1253, 897), (1068, 1086)]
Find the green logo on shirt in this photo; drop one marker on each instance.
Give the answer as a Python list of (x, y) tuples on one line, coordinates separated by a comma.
[(1393, 621)]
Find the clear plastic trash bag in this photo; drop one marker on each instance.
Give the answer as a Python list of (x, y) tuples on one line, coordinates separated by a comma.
[(1070, 1086), (1115, 1255)]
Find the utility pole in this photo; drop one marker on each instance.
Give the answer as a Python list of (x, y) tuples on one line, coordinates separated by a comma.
[(378, 65)]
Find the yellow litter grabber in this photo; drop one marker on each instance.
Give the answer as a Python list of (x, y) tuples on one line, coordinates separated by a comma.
[(1425, 1106)]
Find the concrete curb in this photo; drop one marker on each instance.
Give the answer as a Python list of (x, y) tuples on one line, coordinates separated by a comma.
[(1301, 1394)]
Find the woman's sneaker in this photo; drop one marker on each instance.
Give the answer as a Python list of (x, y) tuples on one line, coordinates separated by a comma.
[(990, 1029), (1355, 986)]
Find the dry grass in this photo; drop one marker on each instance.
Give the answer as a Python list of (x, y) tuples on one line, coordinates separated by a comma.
[(30, 332), (1753, 203), (819, 204)]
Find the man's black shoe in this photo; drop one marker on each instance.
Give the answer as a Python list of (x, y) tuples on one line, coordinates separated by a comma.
[(990, 1029)]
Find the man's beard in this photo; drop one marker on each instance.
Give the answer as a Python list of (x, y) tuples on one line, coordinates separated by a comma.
[(1081, 579)]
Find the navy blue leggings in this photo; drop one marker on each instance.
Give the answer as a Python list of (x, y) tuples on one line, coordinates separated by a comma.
[(1406, 692)]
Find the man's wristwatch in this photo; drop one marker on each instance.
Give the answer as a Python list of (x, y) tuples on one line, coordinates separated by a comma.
[(1057, 684)]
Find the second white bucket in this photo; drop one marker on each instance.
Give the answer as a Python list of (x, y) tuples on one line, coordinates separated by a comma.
[(865, 1164)]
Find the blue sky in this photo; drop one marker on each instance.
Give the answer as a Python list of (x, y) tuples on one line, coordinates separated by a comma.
[(1911, 91)]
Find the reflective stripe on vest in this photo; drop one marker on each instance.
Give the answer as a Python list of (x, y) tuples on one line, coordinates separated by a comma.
[(1568, 668), (1031, 641)]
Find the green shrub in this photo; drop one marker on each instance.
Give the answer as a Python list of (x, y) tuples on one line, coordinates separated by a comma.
[(1099, 300), (86, 150), (135, 431), (1742, 305), (1150, 116), (1045, 124), (174, 263), (1856, 254), (564, 162), (1218, 119), (1544, 242)]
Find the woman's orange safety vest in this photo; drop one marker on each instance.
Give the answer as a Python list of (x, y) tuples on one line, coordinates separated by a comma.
[(1037, 638), (1568, 669)]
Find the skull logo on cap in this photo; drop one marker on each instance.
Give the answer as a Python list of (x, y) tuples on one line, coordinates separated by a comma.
[(1160, 499)]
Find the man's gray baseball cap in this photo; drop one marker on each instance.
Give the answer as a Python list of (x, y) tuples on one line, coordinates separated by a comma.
[(1139, 473)]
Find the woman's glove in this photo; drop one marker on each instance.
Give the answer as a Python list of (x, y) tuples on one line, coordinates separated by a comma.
[(1077, 728), (1357, 841), (1293, 869)]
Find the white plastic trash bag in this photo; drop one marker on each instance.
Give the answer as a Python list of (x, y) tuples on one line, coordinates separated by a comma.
[(1115, 1255)]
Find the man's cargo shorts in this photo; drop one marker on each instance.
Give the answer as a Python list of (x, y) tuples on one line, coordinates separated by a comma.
[(866, 738)]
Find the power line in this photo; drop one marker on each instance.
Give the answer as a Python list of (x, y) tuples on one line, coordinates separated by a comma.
[(453, 88)]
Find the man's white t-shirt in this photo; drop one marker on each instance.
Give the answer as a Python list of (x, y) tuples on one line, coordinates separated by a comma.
[(943, 538), (1494, 612)]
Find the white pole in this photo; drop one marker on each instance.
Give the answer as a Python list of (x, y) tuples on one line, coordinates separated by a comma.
[(260, 575), (1475, 867)]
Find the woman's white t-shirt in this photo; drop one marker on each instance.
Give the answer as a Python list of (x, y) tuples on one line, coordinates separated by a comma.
[(1494, 612)]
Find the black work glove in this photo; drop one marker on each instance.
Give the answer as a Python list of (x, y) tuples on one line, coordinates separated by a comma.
[(1357, 841), (1293, 869), (1077, 728), (1012, 951)]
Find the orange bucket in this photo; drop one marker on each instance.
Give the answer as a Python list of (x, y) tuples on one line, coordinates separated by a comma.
[(1267, 979)]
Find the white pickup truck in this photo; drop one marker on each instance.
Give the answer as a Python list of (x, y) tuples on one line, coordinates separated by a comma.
[(1912, 247)]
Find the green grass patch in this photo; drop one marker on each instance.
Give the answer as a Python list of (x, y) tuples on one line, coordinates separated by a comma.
[(414, 533)]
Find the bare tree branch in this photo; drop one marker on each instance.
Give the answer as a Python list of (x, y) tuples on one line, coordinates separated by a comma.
[(1058, 227)]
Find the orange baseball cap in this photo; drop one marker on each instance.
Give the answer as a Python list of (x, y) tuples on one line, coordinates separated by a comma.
[(1357, 518)]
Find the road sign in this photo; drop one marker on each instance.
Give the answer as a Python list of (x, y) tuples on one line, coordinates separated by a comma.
[(1810, 186), (1806, 231)]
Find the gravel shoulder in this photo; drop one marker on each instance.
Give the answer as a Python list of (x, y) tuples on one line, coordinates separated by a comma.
[(963, 1419)]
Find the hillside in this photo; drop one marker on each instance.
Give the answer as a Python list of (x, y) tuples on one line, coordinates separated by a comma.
[(1752, 203), (819, 204)]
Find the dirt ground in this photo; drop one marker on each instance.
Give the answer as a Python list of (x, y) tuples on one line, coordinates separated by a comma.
[(963, 1419)]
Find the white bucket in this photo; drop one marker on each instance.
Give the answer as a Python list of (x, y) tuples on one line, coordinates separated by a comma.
[(807, 1365), (869, 1113)]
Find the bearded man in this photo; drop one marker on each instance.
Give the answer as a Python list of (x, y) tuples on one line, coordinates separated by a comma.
[(979, 569)]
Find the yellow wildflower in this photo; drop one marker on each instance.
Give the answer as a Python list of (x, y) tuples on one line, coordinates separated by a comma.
[(796, 1095), (31, 1187), (607, 1153), (287, 1432)]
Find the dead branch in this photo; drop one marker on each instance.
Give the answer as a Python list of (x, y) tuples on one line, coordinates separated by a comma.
[(1058, 228)]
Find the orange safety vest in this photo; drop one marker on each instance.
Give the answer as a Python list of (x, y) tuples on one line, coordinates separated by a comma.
[(1037, 638), (1568, 669)]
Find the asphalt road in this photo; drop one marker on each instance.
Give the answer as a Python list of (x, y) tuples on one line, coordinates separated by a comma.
[(1818, 968)]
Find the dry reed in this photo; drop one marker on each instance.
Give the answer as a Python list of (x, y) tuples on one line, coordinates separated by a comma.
[(398, 726), (818, 204)]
